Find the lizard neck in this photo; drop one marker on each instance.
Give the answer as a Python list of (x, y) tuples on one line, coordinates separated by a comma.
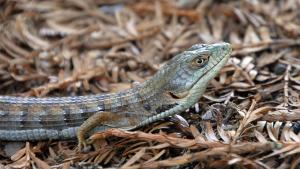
[(156, 84)]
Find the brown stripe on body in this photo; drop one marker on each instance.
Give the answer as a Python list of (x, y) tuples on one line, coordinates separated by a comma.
[(59, 113), (13, 116), (139, 103), (116, 103), (3, 111), (32, 119), (107, 104), (54, 116), (71, 115), (125, 101)]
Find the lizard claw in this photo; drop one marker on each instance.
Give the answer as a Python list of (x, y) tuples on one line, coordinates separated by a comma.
[(84, 144)]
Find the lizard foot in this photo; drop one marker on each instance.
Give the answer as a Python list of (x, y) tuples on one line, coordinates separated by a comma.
[(84, 144), (81, 144)]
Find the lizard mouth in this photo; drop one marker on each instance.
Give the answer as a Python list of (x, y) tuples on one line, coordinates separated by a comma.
[(179, 95)]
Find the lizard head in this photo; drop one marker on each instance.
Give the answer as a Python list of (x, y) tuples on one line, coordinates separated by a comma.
[(190, 72)]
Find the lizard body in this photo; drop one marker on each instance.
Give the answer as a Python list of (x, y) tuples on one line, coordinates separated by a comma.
[(173, 89)]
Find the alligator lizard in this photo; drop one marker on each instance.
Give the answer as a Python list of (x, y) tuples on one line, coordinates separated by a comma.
[(173, 89)]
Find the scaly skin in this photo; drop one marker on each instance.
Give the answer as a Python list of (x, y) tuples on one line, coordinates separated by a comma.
[(173, 89)]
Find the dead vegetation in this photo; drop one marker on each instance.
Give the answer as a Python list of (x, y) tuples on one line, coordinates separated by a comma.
[(247, 118)]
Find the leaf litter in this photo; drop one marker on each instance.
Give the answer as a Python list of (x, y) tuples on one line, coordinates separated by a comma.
[(247, 118)]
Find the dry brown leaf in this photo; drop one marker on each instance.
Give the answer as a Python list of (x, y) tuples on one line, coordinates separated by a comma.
[(135, 158)]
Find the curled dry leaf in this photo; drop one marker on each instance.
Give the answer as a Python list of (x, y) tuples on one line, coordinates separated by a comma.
[(25, 158)]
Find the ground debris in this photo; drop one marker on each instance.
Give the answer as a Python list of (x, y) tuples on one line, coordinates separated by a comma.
[(247, 118)]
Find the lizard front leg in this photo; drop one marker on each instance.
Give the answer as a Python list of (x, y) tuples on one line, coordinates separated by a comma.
[(97, 119)]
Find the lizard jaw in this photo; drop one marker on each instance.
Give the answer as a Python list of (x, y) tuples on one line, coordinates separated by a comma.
[(179, 95)]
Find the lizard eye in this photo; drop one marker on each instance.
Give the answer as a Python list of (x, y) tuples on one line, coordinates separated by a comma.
[(200, 61)]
